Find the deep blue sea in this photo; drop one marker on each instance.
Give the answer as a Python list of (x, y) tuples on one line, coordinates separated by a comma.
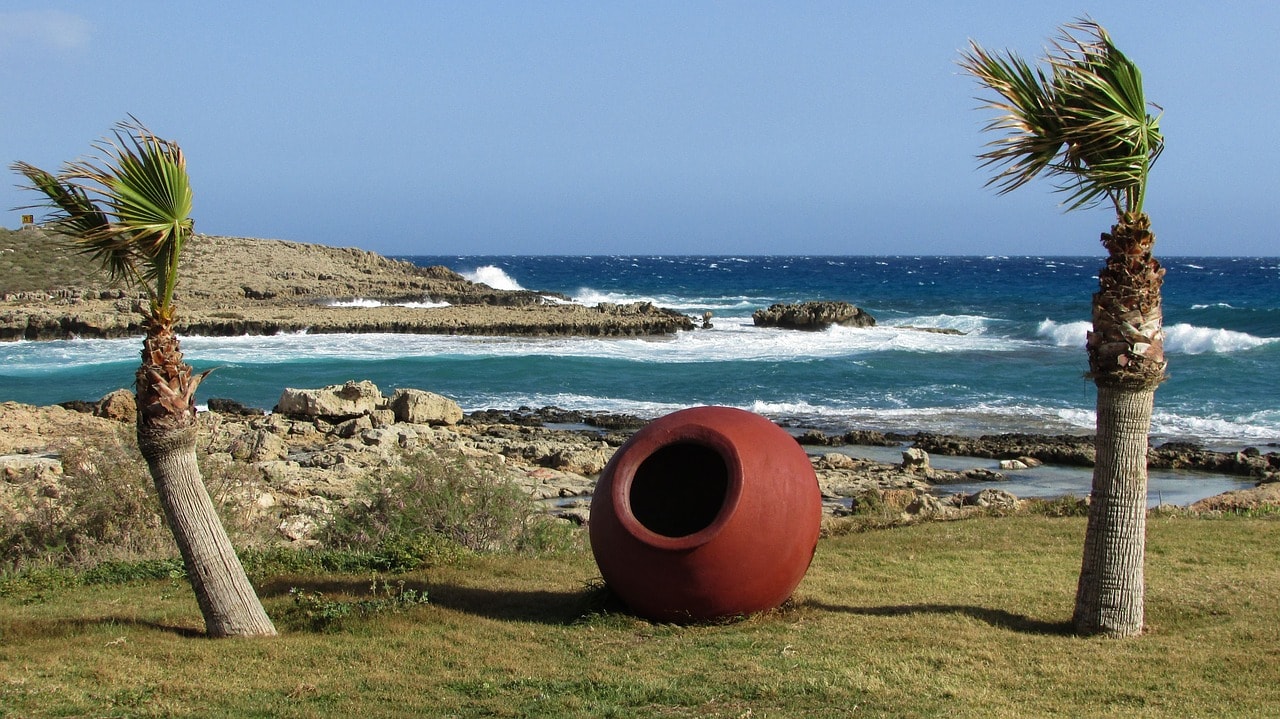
[(1018, 366)]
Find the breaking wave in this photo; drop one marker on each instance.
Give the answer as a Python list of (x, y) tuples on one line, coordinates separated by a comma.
[(1180, 338)]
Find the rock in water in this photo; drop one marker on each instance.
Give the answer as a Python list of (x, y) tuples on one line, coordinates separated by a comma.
[(812, 316)]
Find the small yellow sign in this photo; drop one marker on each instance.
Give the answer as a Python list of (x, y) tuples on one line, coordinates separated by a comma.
[(28, 219)]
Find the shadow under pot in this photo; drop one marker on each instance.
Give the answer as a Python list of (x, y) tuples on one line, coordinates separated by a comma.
[(706, 513)]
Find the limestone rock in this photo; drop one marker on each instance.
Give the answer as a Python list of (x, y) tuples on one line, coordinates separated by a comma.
[(915, 459), (835, 460), (353, 427), (120, 405), (417, 406), (1019, 463), (992, 499), (585, 461), (341, 402), (297, 527), (258, 446), (22, 468)]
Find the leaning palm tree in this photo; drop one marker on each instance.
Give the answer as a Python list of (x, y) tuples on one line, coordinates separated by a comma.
[(1084, 121), (131, 210)]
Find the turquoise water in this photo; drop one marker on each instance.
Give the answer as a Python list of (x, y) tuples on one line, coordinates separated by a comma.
[(1018, 366)]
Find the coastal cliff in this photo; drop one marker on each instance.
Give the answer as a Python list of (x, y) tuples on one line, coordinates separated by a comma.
[(235, 286)]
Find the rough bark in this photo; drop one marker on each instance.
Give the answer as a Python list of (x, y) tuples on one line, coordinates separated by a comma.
[(1127, 363), (167, 440), (1110, 594), (227, 600)]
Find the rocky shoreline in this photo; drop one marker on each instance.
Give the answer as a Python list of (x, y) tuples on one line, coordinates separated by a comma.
[(304, 461), (235, 286), (297, 466)]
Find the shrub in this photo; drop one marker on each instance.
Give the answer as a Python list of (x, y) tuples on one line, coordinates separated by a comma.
[(314, 611), (438, 506), (1065, 506), (103, 509)]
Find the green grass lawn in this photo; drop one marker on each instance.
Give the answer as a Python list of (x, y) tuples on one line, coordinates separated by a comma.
[(958, 619)]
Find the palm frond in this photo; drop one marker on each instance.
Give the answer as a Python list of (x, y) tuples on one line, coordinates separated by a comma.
[(74, 214), (1083, 121), (129, 207), (1027, 117)]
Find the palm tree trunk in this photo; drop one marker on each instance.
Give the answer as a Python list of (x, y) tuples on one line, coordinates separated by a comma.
[(1109, 597), (167, 440), (1126, 361), (227, 600)]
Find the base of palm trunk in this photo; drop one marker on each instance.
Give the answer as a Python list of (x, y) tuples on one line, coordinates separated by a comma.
[(1110, 594), (227, 600)]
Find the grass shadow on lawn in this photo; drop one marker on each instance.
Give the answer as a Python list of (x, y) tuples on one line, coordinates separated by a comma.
[(61, 627), (995, 617), (540, 606)]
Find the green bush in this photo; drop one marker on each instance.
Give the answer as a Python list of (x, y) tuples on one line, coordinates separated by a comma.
[(104, 508), (314, 611), (1065, 506), (438, 507)]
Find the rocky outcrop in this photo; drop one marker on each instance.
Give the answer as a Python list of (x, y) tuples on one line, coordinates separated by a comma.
[(345, 404), (97, 319), (235, 286), (1016, 451), (812, 316), (295, 470), (415, 406), (1248, 462), (334, 403), (1264, 496), (1078, 450), (1071, 450)]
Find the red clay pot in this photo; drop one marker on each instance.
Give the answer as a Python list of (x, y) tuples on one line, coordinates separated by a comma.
[(706, 513)]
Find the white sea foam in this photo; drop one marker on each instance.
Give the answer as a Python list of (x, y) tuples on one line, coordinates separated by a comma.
[(696, 305), (968, 324), (1180, 338), (732, 339), (982, 417), (1066, 334), (1217, 305), (36, 358), (357, 302), (569, 401), (591, 297), (493, 276), (362, 303), (1258, 427), (423, 305), (1192, 340)]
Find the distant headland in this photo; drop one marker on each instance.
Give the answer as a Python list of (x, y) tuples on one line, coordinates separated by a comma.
[(236, 286)]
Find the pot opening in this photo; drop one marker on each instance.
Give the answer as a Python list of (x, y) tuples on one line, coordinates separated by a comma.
[(679, 489)]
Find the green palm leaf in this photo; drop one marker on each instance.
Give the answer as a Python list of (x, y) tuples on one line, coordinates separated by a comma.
[(1083, 122), (129, 208)]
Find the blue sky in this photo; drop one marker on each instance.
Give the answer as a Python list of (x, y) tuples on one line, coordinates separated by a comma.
[(641, 128)]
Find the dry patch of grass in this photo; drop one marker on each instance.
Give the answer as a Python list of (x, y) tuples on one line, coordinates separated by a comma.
[(964, 619)]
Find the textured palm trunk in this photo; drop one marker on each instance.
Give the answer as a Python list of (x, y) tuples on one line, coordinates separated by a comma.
[(167, 440), (1126, 361)]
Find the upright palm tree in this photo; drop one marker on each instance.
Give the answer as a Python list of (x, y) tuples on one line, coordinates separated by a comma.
[(1084, 121), (131, 211)]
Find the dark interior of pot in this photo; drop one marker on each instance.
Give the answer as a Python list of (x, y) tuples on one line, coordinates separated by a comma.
[(679, 489)]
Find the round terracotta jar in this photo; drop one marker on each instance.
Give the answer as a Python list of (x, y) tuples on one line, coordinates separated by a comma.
[(706, 513)]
